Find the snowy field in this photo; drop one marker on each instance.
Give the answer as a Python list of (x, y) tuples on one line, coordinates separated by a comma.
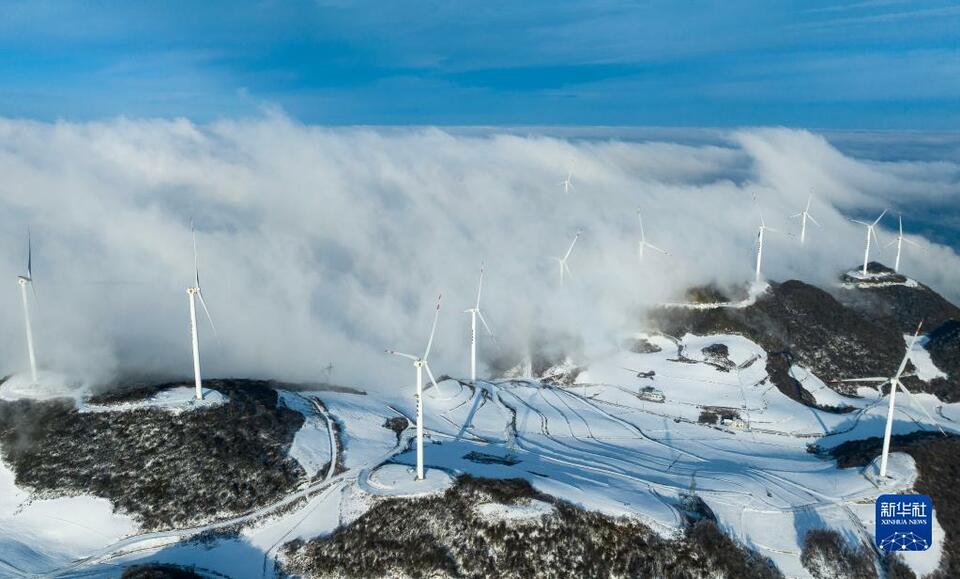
[(604, 443)]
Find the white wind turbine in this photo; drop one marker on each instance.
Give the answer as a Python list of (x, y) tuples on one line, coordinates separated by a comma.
[(562, 261), (804, 216), (870, 232), (761, 229), (899, 241), (643, 243), (567, 183), (193, 293), (474, 314), (894, 384), (23, 281), (420, 363)]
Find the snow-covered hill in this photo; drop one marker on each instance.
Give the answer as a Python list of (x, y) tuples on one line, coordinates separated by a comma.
[(706, 444)]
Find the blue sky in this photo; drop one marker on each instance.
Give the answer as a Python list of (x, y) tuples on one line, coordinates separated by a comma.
[(881, 64)]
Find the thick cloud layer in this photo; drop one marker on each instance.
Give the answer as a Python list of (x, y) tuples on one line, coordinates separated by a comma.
[(326, 246)]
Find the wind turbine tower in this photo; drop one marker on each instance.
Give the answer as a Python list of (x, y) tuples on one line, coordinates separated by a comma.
[(643, 243), (194, 293), (23, 281), (804, 216), (474, 314), (899, 241), (870, 233), (562, 261), (420, 363)]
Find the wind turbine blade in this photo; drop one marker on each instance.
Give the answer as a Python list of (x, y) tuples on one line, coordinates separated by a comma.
[(892, 241), (567, 269), (795, 215), (402, 355), (203, 303), (480, 285), (876, 239), (29, 256), (655, 248), (429, 373), (484, 322), (920, 406), (196, 259), (809, 200), (570, 249), (436, 316), (906, 355), (881, 217), (860, 222), (911, 242), (815, 222), (756, 202), (640, 219)]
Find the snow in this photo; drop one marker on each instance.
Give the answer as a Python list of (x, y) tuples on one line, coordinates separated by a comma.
[(364, 436), (177, 399), (398, 480), (753, 292), (524, 512), (595, 444), (926, 369), (875, 279), (40, 534), (49, 385), (311, 444), (950, 412)]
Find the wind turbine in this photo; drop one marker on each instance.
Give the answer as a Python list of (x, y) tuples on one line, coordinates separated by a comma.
[(899, 241), (760, 231), (474, 314), (420, 363), (870, 232), (804, 216), (562, 261), (894, 384), (192, 294), (567, 183), (328, 372), (643, 243), (23, 281)]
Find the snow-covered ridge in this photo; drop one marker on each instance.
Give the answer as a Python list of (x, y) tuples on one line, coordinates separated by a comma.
[(178, 399), (754, 291), (856, 279)]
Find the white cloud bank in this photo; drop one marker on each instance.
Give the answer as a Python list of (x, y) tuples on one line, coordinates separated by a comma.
[(327, 245)]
